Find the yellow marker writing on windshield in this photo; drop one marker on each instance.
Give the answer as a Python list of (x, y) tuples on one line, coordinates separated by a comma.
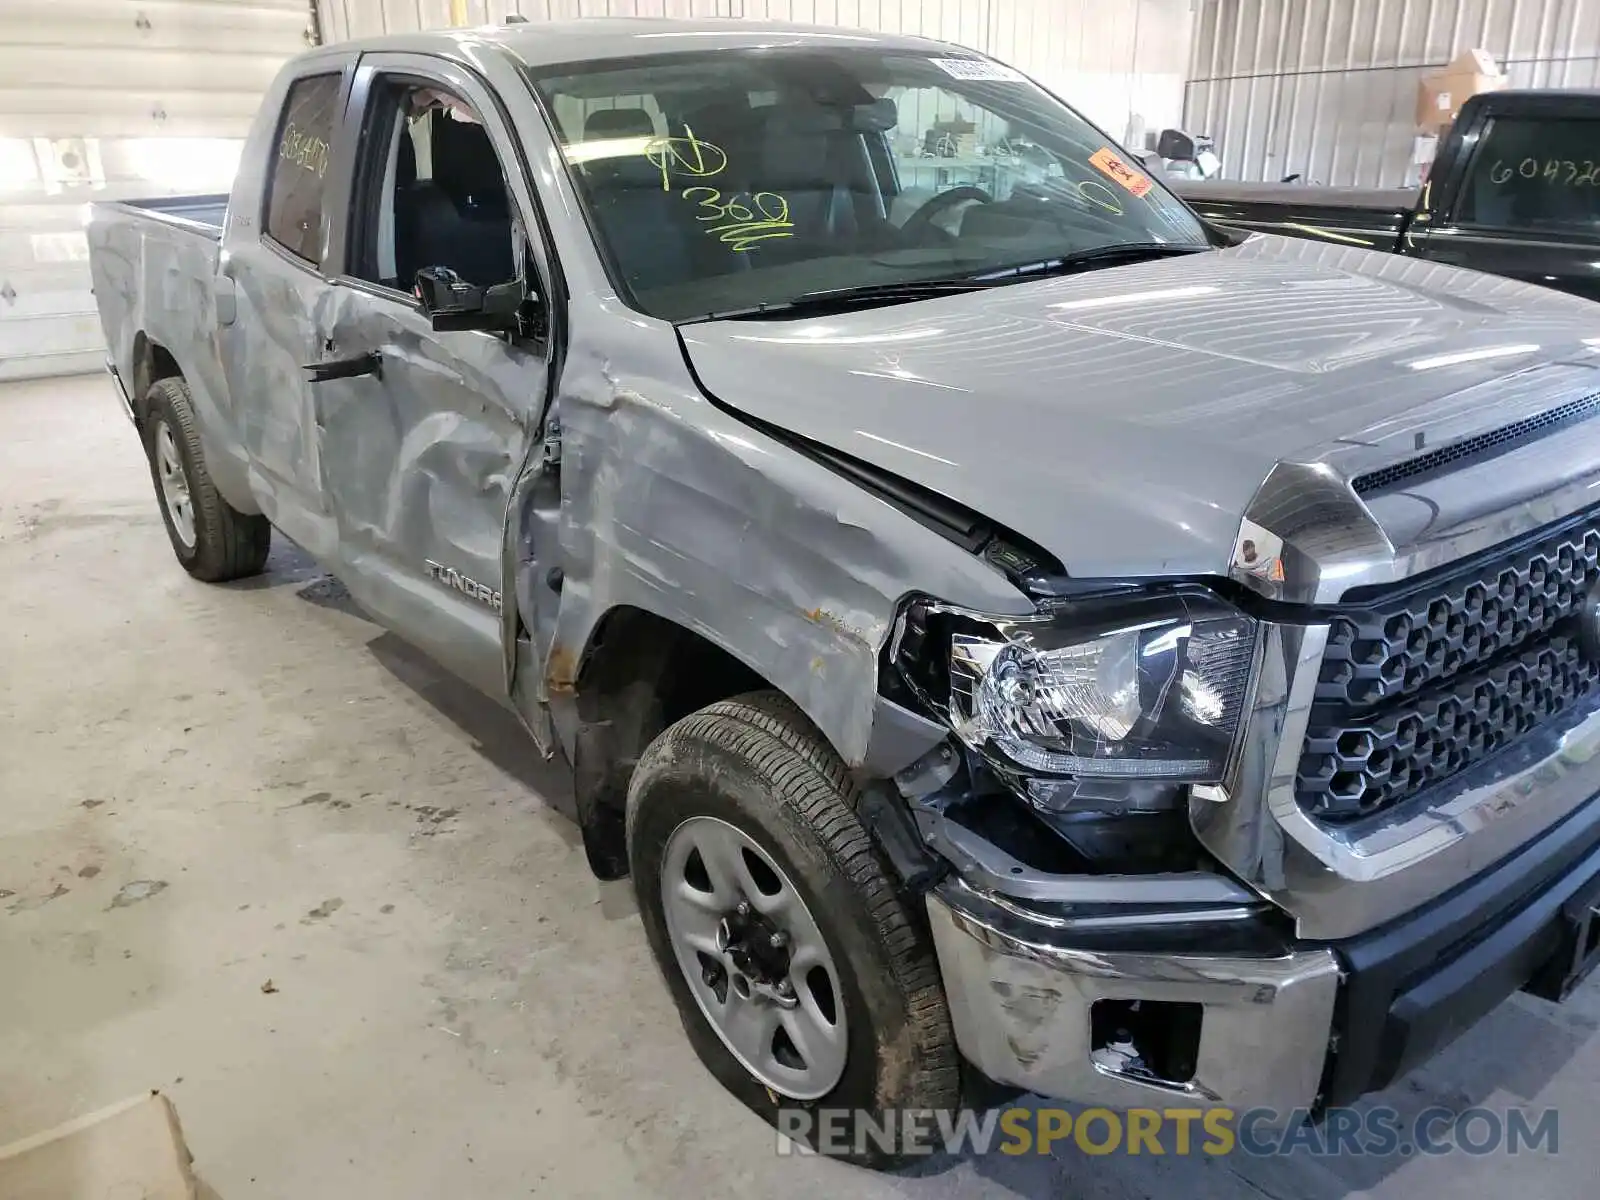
[(739, 225), (686, 155)]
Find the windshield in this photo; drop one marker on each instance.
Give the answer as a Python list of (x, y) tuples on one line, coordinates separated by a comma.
[(746, 178)]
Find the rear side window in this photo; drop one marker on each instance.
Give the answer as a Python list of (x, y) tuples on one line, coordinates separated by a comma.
[(297, 173), (1530, 174)]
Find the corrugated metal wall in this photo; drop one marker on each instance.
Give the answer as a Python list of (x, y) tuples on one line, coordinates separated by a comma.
[(102, 99), (1328, 88), (1115, 60)]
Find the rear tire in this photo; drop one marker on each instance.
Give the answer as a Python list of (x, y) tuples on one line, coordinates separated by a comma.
[(756, 766), (214, 541)]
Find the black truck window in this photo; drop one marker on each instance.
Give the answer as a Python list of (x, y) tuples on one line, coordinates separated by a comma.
[(297, 171), (1531, 173), (430, 191)]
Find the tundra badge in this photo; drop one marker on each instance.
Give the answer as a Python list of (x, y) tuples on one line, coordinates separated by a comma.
[(453, 578)]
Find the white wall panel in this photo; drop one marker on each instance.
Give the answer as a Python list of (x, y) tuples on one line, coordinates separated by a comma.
[(1327, 88), (102, 99), (1122, 62)]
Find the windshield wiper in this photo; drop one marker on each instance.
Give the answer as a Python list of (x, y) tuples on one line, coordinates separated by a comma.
[(1095, 256), (865, 295)]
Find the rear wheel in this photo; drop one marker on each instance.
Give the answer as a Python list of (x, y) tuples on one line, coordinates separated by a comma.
[(213, 540), (804, 978)]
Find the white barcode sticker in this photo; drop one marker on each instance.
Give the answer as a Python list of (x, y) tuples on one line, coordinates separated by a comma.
[(976, 68)]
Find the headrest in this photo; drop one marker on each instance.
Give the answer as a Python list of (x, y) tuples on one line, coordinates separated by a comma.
[(801, 148), (464, 162), (618, 123)]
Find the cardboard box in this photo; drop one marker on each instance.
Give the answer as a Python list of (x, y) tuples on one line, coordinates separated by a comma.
[(130, 1151), (1441, 95)]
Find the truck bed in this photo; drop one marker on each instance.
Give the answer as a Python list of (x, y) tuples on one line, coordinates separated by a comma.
[(154, 265), (198, 214)]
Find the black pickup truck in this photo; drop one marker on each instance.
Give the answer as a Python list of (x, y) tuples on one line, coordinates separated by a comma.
[(1514, 190)]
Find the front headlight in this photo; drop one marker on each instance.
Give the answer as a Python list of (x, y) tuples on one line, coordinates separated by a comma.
[(1150, 686)]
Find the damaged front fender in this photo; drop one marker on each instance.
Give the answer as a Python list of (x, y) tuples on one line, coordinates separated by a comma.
[(670, 505)]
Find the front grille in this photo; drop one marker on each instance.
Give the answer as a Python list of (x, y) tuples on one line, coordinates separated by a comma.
[(1421, 683)]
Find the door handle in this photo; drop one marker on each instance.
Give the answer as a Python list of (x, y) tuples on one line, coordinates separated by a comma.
[(345, 368)]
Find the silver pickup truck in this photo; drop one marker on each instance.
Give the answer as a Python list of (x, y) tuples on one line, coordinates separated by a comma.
[(1006, 627)]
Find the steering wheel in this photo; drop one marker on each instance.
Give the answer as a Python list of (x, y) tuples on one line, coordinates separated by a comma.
[(920, 220)]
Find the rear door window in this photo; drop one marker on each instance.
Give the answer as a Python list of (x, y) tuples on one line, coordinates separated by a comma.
[(1535, 174), (298, 169)]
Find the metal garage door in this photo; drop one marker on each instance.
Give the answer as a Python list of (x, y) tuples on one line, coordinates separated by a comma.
[(106, 99)]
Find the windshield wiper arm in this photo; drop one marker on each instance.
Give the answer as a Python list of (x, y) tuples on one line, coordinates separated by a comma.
[(834, 299), (1095, 256)]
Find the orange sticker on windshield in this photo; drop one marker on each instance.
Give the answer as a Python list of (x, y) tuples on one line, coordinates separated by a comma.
[(1135, 181)]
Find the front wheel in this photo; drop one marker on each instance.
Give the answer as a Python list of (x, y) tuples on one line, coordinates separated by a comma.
[(213, 540), (802, 974)]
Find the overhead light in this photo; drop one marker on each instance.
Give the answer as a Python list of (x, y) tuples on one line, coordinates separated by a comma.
[(824, 335), (902, 446), (1466, 356), (901, 375), (1181, 293), (601, 148)]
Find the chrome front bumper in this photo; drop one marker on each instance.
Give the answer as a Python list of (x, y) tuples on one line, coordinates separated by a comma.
[(1021, 1009)]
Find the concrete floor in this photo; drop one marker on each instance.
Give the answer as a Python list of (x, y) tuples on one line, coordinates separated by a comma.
[(206, 788)]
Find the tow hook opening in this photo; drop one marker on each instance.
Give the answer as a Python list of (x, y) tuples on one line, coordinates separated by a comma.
[(1150, 1041)]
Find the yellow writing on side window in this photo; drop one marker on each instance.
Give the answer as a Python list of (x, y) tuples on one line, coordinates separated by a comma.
[(739, 221), (304, 150), (1563, 172)]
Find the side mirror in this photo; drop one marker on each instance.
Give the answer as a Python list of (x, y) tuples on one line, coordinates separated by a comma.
[(1176, 144), (451, 303)]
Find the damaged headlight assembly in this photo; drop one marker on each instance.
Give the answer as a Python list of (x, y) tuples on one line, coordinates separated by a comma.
[(1139, 687)]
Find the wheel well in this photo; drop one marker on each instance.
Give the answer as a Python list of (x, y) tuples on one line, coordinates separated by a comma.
[(642, 672), (687, 671), (151, 361)]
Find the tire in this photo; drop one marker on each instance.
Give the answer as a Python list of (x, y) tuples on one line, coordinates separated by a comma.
[(214, 541), (756, 764)]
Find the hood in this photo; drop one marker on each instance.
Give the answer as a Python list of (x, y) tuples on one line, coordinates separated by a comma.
[(1123, 418)]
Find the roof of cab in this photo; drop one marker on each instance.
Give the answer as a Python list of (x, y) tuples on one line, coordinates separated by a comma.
[(544, 43)]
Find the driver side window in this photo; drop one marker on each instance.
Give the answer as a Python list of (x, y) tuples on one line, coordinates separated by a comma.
[(432, 191)]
